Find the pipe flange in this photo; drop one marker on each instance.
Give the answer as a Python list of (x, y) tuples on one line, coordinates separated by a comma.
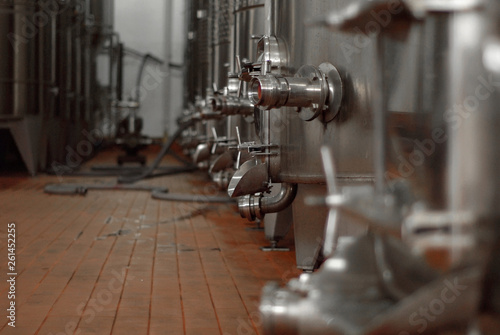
[(319, 80), (222, 178), (249, 207), (335, 91)]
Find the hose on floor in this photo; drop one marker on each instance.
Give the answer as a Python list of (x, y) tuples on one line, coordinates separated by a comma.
[(128, 175), (149, 172), (81, 189), (156, 192), (197, 198), (114, 172)]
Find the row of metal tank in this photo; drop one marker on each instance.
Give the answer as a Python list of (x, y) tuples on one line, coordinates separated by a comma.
[(50, 95), (371, 127)]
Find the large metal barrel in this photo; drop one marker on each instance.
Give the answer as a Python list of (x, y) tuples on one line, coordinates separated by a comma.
[(297, 142), (65, 124), (203, 68), (199, 72), (190, 55), (472, 179), (47, 72), (22, 62), (221, 39), (350, 133), (416, 93), (27, 75), (100, 15), (249, 25)]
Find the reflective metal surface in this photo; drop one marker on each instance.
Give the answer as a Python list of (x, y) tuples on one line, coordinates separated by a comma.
[(48, 74), (351, 132), (433, 225), (378, 121)]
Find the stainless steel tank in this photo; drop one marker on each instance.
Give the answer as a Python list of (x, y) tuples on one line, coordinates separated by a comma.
[(249, 25), (297, 64), (199, 75), (100, 15), (220, 50), (48, 73), (26, 76), (432, 211), (221, 41), (350, 133), (71, 75), (99, 38), (248, 21), (19, 67)]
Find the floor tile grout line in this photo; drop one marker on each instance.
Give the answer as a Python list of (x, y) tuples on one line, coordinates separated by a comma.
[(55, 264), (54, 224), (32, 214), (104, 263), (234, 280), (244, 277), (126, 273), (123, 287), (179, 277), (77, 268), (157, 229), (50, 269), (58, 218), (204, 272)]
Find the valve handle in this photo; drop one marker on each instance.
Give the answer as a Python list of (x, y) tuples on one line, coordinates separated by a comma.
[(216, 141), (332, 225), (329, 167), (238, 159)]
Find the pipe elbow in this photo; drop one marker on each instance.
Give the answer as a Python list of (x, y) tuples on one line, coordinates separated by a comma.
[(257, 206), (280, 201)]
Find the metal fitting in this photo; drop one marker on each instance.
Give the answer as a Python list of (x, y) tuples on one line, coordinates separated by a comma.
[(229, 105), (222, 178), (249, 208), (314, 91), (254, 207), (350, 293)]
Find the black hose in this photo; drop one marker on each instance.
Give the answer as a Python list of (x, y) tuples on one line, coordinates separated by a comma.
[(149, 171), (119, 72), (145, 59), (132, 174), (117, 169), (126, 171), (81, 189), (197, 198), (186, 169)]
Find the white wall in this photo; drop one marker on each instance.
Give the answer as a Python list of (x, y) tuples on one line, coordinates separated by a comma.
[(176, 48), (145, 25)]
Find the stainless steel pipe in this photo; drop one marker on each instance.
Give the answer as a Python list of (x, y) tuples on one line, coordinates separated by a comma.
[(254, 207)]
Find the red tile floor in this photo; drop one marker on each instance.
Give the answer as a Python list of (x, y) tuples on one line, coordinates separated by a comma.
[(120, 262)]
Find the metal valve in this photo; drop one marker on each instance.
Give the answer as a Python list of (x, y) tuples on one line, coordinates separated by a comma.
[(272, 57), (313, 90), (230, 105), (222, 141), (256, 206)]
